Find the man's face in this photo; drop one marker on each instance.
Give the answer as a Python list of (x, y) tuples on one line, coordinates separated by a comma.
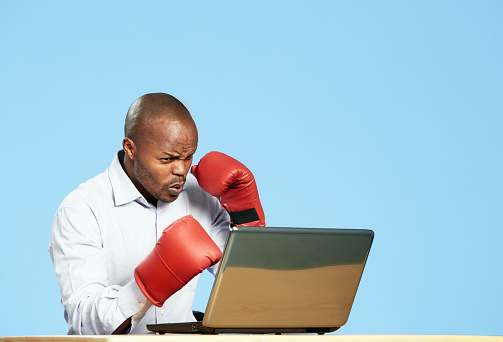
[(163, 159)]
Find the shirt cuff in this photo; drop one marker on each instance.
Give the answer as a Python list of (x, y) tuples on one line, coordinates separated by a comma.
[(131, 300)]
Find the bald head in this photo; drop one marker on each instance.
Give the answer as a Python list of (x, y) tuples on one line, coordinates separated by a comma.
[(161, 139), (147, 109)]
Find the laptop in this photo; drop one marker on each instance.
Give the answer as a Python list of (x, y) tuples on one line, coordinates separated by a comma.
[(282, 280)]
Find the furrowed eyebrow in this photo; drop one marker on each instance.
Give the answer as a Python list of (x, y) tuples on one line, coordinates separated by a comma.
[(170, 155), (174, 156)]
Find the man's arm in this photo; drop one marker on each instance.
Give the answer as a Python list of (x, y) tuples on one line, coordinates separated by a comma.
[(93, 306)]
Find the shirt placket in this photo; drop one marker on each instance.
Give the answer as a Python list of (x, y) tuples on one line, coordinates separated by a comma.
[(158, 231)]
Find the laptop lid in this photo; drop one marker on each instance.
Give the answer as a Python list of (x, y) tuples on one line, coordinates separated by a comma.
[(278, 279)]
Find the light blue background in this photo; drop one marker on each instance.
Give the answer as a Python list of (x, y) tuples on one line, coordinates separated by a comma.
[(356, 114)]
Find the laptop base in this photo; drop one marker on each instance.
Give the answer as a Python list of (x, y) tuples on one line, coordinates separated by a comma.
[(199, 328)]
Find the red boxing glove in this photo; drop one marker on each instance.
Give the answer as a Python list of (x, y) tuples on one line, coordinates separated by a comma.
[(183, 251), (234, 186)]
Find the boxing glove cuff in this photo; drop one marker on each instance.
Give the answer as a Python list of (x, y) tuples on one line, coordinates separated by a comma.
[(242, 217)]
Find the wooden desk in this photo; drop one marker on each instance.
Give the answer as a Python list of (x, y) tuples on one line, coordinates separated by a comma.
[(255, 338)]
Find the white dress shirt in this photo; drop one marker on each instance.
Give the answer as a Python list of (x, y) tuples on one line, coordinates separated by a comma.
[(101, 232)]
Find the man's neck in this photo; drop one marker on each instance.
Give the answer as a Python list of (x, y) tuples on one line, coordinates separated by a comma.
[(127, 166)]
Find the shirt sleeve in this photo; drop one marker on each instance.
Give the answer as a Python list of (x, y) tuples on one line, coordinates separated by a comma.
[(92, 305)]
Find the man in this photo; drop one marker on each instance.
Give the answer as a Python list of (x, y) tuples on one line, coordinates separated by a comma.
[(104, 232)]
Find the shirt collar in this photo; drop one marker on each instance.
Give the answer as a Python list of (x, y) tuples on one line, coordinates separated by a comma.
[(123, 188)]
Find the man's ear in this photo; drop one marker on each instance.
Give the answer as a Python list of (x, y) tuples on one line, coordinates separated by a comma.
[(129, 147)]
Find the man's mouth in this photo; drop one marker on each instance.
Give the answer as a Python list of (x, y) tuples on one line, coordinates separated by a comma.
[(176, 188)]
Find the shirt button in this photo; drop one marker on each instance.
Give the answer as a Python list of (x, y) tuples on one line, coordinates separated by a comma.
[(141, 304), (163, 311)]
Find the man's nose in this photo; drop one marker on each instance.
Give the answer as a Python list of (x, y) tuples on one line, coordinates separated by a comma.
[(181, 167)]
